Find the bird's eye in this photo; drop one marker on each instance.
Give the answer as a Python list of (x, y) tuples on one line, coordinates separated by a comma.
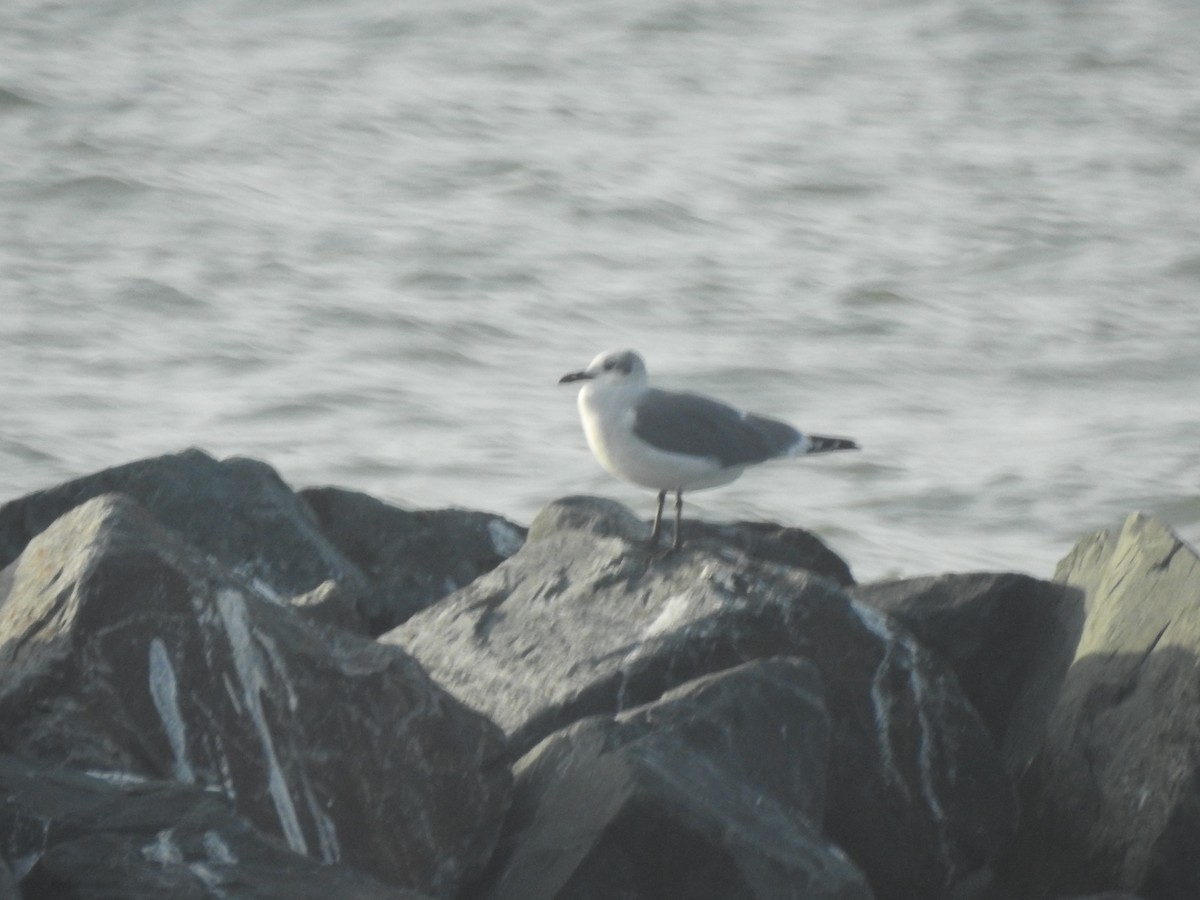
[(610, 364)]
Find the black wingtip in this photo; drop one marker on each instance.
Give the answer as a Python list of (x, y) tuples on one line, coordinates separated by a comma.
[(821, 444)]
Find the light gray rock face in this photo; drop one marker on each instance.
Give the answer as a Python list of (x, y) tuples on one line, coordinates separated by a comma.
[(74, 836), (123, 649), (1113, 800), (583, 622), (713, 792)]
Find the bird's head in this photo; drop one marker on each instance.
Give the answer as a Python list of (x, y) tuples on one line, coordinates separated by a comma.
[(611, 368)]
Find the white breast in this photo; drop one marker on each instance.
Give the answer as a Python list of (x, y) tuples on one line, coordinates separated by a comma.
[(608, 417)]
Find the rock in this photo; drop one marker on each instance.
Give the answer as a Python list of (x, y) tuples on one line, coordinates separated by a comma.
[(8, 885), (1113, 800), (581, 622), (330, 604), (979, 885), (410, 558), (1009, 638), (769, 542), (762, 541), (237, 511), (709, 792), (85, 837), (123, 649)]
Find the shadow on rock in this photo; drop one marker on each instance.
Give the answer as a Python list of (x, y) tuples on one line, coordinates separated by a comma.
[(1113, 799)]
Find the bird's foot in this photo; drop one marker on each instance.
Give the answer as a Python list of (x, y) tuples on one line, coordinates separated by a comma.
[(659, 553)]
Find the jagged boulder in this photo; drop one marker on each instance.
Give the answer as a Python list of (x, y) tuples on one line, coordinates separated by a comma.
[(124, 649), (715, 791), (238, 511), (87, 837), (583, 621), (1113, 800), (411, 558), (1009, 638)]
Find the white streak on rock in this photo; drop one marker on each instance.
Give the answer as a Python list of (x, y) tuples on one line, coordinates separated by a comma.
[(331, 848), (928, 748), (113, 777), (210, 879), (280, 671), (164, 688), (218, 851), (910, 653), (880, 702), (248, 664), (267, 592), (222, 757), (673, 615), (163, 850), (506, 540), (20, 866)]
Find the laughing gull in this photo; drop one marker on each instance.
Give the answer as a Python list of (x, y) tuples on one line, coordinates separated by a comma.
[(676, 442)]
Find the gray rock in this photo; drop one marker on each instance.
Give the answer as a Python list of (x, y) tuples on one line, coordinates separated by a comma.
[(86, 837), (1113, 800), (582, 622), (1009, 638), (979, 885), (237, 511), (8, 885), (123, 649), (411, 558), (762, 541), (709, 792)]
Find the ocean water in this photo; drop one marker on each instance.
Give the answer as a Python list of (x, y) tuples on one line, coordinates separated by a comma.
[(361, 240)]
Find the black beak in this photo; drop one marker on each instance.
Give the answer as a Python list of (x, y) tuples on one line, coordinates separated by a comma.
[(575, 376)]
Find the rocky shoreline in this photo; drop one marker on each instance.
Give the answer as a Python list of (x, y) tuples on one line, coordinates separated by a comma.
[(213, 686)]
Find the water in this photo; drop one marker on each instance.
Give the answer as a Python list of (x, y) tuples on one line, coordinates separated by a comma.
[(362, 240)]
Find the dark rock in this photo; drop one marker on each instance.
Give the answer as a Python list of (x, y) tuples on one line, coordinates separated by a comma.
[(582, 622), (709, 792), (8, 885), (237, 511), (122, 649), (761, 541), (83, 837), (979, 885), (411, 558), (1009, 638), (1113, 800)]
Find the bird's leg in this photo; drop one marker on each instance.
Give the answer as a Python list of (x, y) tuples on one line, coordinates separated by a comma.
[(662, 498), (678, 519)]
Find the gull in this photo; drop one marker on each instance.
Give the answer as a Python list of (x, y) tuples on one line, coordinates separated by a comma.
[(670, 441)]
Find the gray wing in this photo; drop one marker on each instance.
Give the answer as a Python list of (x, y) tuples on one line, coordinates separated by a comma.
[(698, 426)]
